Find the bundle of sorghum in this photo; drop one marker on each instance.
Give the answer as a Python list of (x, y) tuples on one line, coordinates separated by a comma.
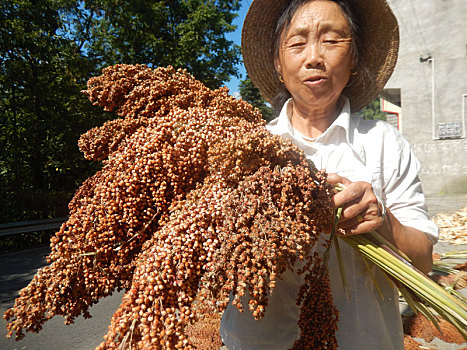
[(195, 202)]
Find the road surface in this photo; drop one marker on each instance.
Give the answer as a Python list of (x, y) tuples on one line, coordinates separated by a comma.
[(16, 270)]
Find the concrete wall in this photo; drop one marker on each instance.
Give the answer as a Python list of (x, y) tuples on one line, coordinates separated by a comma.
[(436, 29)]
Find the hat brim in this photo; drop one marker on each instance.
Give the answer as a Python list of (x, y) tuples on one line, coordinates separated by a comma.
[(379, 36)]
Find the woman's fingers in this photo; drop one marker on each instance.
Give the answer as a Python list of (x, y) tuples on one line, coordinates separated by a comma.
[(361, 212), (335, 179)]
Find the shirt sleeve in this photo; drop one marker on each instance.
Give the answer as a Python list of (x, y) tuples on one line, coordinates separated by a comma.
[(402, 190)]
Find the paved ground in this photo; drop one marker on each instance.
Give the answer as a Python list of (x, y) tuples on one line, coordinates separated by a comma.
[(446, 204), (17, 269), (441, 203)]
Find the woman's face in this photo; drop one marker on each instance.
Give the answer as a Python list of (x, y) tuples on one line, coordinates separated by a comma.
[(315, 54)]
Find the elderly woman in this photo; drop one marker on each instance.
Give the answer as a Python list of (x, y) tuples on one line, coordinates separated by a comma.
[(317, 61)]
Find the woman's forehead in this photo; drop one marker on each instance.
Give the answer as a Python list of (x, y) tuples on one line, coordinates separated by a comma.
[(319, 14)]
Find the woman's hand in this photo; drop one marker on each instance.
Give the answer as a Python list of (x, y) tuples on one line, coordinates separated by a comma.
[(361, 210), (363, 213)]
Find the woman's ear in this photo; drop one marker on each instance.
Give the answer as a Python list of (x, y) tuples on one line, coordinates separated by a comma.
[(277, 66)]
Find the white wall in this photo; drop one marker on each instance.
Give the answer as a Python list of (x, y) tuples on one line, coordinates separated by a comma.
[(438, 28)]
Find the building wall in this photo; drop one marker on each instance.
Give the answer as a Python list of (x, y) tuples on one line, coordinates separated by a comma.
[(436, 29)]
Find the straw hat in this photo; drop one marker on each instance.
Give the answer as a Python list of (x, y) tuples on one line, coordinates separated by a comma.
[(379, 35)]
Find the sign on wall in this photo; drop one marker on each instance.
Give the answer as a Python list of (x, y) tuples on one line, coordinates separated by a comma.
[(449, 130)]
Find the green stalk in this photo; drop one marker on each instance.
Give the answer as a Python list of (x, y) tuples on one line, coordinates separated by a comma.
[(417, 306), (368, 267), (340, 261), (455, 255), (450, 308), (337, 216), (444, 268), (407, 275), (454, 292), (380, 239)]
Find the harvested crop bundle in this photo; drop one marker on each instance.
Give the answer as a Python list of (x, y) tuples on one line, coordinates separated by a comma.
[(196, 203)]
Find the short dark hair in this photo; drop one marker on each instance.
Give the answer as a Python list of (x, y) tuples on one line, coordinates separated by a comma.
[(283, 24)]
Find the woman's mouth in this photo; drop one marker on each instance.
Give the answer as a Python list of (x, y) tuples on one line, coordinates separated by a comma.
[(315, 80)]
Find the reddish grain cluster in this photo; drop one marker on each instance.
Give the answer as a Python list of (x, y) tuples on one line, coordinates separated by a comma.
[(195, 201)]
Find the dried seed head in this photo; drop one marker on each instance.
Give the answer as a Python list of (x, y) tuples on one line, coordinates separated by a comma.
[(195, 200)]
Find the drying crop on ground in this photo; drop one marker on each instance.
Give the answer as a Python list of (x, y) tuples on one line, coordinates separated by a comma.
[(453, 226)]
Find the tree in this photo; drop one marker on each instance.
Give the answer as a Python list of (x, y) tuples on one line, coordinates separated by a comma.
[(42, 110), (372, 111), (183, 33), (50, 48), (251, 94)]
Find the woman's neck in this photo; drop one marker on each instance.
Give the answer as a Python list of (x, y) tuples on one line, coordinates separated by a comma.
[(312, 123)]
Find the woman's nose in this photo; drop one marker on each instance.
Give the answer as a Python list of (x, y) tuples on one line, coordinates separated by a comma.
[(314, 55)]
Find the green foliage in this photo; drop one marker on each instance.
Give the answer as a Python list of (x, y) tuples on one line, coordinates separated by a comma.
[(50, 48), (42, 110), (251, 94), (183, 33), (23, 241), (372, 111)]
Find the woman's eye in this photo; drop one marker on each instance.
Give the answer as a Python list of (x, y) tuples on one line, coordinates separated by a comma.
[(334, 40), (297, 44)]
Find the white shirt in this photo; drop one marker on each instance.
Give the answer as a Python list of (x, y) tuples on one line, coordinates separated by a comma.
[(371, 151)]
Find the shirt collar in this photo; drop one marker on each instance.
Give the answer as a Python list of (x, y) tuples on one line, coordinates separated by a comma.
[(342, 121), (283, 127)]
